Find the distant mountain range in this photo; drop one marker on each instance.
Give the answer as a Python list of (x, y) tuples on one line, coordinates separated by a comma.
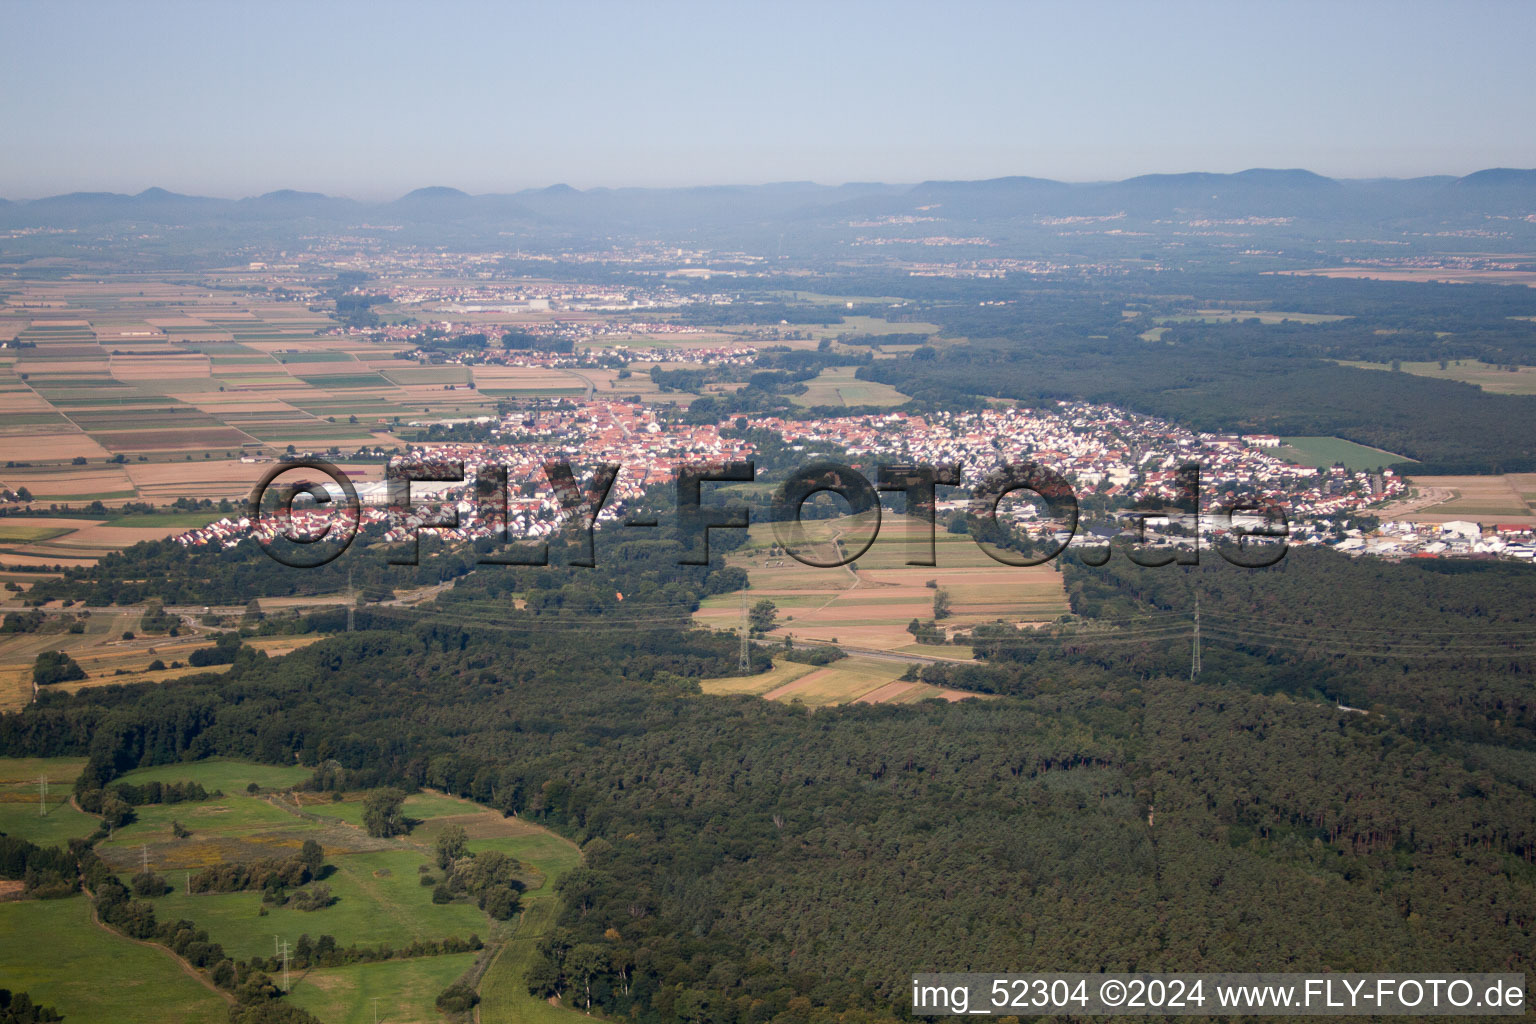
[(1298, 194)]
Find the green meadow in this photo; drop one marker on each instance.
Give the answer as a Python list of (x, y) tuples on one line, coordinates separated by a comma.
[(380, 898)]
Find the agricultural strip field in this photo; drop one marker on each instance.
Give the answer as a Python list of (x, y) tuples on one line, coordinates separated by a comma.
[(1510, 498), (871, 602), (855, 679)]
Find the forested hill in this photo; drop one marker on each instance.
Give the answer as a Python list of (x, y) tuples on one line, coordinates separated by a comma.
[(760, 863)]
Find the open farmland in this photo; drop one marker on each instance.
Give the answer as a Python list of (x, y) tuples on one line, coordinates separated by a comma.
[(156, 373), (1510, 498), (837, 386), (855, 679), (870, 602), (1498, 380), (109, 659)]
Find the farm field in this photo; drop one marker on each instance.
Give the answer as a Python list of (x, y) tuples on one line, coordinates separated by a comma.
[(1324, 452), (380, 898), (837, 385), (871, 602), (68, 538), (1510, 498), (107, 658), (1491, 378), (179, 382), (855, 679)]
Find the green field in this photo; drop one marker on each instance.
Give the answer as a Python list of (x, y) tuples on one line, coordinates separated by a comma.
[(379, 901), (405, 990), (428, 375), (19, 533), (377, 884), (316, 356), (19, 800), (1324, 452), (54, 953), (782, 672), (19, 816), (837, 385), (504, 997), (229, 776), (421, 806), (342, 380)]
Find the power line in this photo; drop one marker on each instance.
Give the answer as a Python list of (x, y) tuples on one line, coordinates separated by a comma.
[(1148, 627)]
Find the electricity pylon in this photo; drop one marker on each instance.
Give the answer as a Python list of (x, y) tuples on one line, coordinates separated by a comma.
[(746, 655), (1194, 661)]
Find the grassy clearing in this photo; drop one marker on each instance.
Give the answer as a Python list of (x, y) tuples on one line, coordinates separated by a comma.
[(504, 997), (229, 776), (405, 990), (379, 901), (19, 816), (25, 770), (21, 806), (839, 683), (53, 952), (421, 806)]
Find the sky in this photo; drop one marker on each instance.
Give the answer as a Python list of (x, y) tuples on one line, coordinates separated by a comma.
[(370, 100)]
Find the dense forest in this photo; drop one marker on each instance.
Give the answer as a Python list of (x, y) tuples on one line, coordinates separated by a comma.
[(749, 862)]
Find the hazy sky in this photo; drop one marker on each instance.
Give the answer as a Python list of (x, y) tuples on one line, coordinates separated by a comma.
[(372, 99)]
